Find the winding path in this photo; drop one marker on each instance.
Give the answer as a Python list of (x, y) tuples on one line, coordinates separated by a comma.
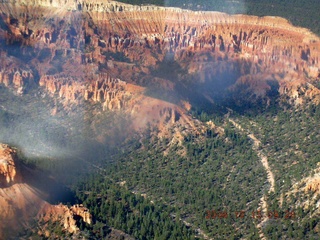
[(270, 177)]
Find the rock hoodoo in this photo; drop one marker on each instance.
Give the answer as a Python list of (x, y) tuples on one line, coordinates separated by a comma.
[(80, 50), (8, 169), (127, 40)]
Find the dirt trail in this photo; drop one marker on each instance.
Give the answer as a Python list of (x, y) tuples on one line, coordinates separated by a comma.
[(263, 158), (270, 176)]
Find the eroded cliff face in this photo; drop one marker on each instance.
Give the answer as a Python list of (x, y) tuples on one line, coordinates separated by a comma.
[(14, 74), (20, 203), (68, 216), (112, 93), (8, 169), (92, 50)]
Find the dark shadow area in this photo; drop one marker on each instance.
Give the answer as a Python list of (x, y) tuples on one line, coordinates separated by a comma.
[(246, 103), (54, 191)]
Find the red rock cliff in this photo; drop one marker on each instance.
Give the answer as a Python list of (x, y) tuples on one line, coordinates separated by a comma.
[(21, 203), (8, 170), (129, 42)]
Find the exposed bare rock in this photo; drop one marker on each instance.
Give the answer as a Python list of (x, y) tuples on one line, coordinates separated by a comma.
[(68, 216), (8, 169), (20, 203), (314, 185), (16, 78), (268, 44), (80, 210), (307, 186), (73, 40), (269, 41), (112, 93)]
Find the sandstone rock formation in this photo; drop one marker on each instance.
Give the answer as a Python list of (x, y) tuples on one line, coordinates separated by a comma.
[(112, 93), (109, 54), (129, 40), (21, 203), (8, 169), (68, 216), (80, 49), (14, 75)]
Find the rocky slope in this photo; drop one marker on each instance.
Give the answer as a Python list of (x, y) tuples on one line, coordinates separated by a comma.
[(21, 204), (310, 188)]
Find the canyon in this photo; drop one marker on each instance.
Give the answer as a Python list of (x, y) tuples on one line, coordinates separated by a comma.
[(153, 64), (113, 53)]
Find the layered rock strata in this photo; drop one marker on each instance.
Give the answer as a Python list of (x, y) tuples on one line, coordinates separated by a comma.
[(260, 54), (112, 93)]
